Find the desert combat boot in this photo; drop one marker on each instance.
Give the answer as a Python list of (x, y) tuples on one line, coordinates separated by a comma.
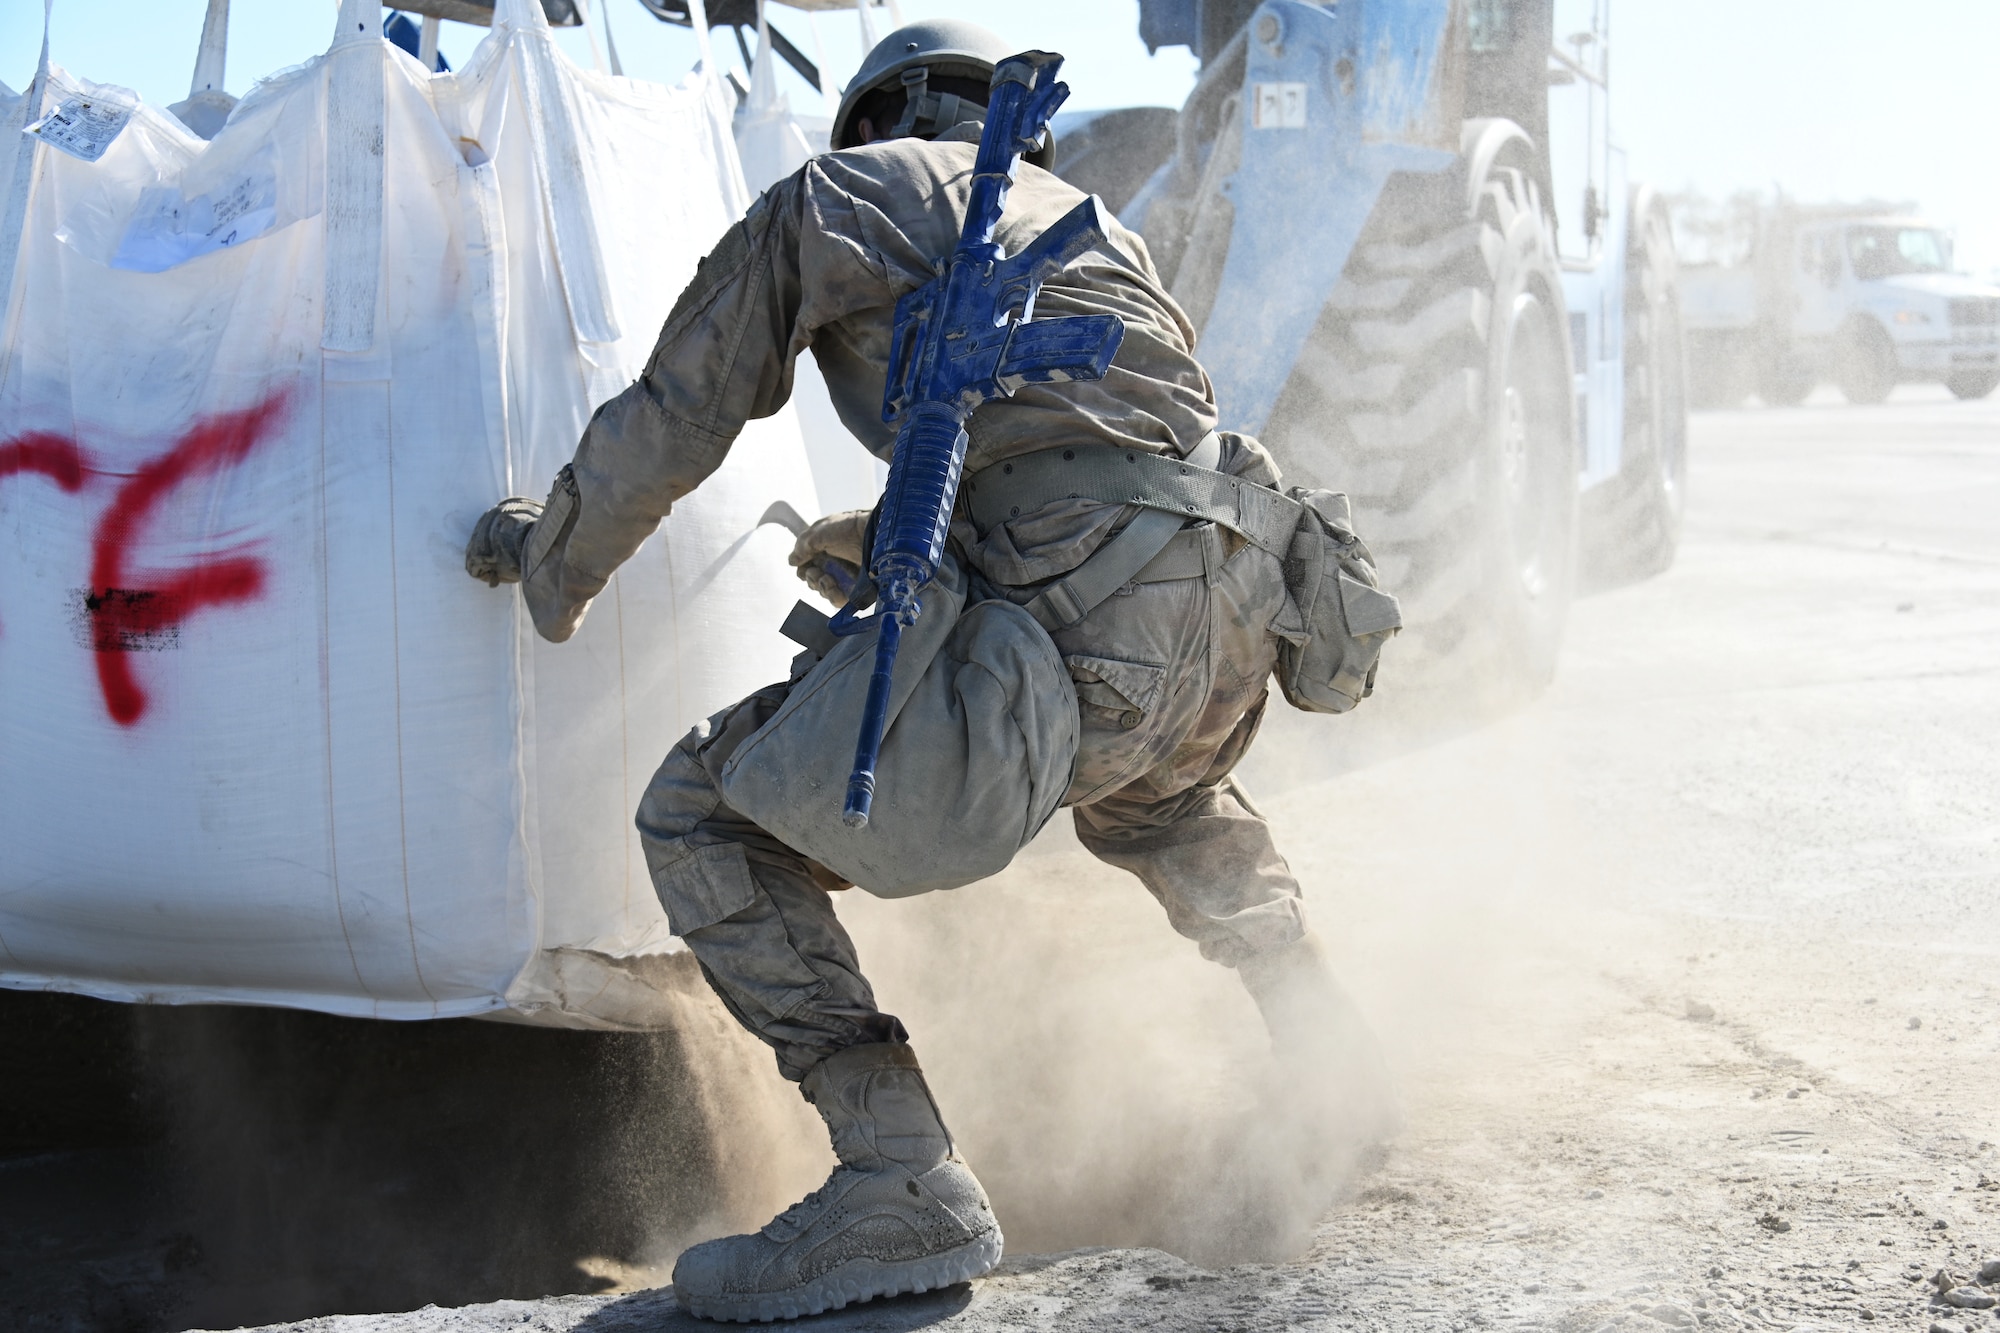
[(900, 1213)]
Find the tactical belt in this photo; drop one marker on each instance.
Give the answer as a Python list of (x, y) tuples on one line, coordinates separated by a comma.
[(1153, 548)]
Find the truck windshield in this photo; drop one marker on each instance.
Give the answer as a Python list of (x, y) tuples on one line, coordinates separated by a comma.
[(1884, 252)]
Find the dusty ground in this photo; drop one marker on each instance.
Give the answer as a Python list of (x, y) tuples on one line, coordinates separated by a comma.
[(1690, 973)]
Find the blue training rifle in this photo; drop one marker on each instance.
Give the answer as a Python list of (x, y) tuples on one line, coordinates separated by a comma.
[(964, 338)]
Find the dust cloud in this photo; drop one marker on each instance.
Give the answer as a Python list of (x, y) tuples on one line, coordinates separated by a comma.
[(1112, 1088), (1109, 1086)]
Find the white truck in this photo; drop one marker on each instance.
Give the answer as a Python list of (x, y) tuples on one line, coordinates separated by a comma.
[(1865, 298)]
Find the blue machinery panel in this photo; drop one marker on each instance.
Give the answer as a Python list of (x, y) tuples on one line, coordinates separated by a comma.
[(1336, 99), (1337, 96), (1170, 23)]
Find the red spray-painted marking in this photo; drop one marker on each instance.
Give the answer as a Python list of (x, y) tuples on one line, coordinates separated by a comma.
[(53, 456), (126, 616)]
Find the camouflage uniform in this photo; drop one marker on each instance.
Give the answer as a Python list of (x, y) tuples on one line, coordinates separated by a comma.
[(1170, 676)]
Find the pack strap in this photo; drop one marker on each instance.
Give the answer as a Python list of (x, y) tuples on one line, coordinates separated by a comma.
[(1193, 553), (1190, 488), (1121, 560)]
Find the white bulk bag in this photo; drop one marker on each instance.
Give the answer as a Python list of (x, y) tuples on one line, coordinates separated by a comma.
[(261, 740)]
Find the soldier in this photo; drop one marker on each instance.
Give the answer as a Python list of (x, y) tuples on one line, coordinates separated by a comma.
[(1169, 674)]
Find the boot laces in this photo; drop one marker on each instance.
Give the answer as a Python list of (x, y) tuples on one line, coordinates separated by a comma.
[(796, 1215)]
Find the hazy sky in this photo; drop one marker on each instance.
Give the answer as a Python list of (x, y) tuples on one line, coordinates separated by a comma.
[(1824, 97), (1828, 98)]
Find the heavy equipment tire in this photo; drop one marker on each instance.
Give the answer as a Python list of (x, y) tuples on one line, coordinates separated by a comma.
[(1972, 384), (1632, 523), (1436, 391), (1865, 365), (1784, 379)]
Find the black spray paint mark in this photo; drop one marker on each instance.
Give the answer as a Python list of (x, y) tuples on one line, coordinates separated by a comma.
[(124, 620)]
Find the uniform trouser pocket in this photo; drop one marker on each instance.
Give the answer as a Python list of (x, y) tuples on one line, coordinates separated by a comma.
[(1114, 692), (751, 911), (707, 885), (1137, 660), (757, 958)]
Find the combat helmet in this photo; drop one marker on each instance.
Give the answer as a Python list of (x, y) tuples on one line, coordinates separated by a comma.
[(909, 58)]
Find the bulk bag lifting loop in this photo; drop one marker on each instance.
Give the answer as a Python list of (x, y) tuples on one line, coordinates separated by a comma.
[(355, 157)]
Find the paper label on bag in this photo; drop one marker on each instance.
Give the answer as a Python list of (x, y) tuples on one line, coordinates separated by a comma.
[(169, 229), (83, 127)]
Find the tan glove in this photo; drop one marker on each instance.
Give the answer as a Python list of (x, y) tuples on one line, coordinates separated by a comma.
[(493, 555), (833, 542)]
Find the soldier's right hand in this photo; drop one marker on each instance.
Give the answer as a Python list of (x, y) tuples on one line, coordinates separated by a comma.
[(493, 555), (831, 544)]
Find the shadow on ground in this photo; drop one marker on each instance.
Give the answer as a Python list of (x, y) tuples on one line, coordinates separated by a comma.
[(169, 1167)]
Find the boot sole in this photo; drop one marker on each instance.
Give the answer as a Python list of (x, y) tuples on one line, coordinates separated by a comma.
[(853, 1282)]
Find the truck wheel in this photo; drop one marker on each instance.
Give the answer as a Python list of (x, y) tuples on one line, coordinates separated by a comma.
[(1973, 383), (1436, 391), (1632, 523), (1865, 367)]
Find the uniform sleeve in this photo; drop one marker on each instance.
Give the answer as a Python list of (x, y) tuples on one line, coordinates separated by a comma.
[(724, 357)]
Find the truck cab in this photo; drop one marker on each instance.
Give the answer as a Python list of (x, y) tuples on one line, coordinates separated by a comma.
[(1862, 296), (1880, 295)]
